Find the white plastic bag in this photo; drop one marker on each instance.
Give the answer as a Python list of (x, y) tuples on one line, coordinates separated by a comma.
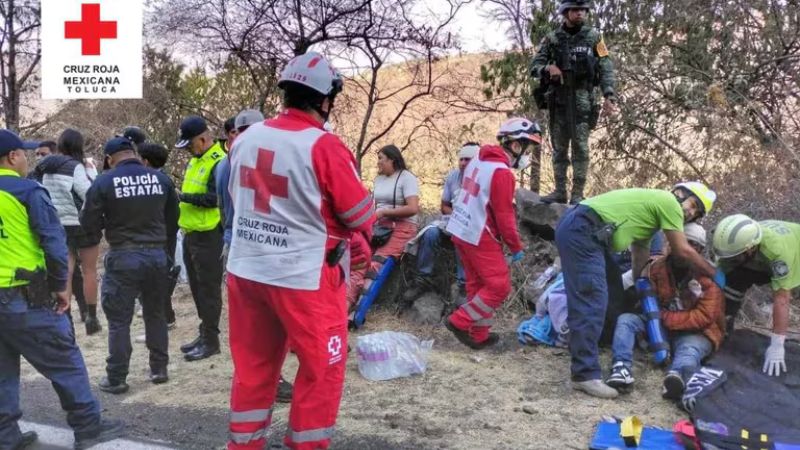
[(388, 354), (182, 278)]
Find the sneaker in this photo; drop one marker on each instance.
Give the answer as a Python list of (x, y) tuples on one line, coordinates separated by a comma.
[(595, 388), (284, 391), (92, 325), (106, 385), (673, 386), (140, 339), (621, 376), (106, 430)]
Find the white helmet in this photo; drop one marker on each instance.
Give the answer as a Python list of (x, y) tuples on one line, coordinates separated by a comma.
[(314, 71), (695, 233), (519, 128)]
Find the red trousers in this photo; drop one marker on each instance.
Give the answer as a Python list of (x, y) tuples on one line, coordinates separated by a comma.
[(264, 322), (488, 285)]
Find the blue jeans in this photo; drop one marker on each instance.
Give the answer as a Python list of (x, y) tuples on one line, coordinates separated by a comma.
[(47, 342), (584, 262), (429, 245), (129, 273), (688, 349)]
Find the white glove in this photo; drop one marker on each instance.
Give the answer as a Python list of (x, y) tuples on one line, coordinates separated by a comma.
[(774, 359)]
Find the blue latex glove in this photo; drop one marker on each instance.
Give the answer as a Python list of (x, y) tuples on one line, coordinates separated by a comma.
[(719, 278), (516, 257)]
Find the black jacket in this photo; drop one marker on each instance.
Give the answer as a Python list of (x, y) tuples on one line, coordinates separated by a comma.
[(136, 205)]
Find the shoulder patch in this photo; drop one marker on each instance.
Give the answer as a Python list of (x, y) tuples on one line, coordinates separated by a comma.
[(602, 50), (779, 269)]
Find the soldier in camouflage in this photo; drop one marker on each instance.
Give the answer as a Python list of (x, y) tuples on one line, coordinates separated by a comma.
[(572, 61)]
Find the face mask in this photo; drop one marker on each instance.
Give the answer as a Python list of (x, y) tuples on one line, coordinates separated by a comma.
[(522, 162)]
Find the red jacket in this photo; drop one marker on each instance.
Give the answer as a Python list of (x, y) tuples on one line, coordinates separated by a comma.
[(501, 216)]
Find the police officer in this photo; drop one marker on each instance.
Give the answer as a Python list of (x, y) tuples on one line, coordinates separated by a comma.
[(200, 221), (138, 208), (573, 60), (33, 298)]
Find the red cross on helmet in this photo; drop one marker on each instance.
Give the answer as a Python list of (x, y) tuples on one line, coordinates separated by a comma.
[(314, 71), (519, 128)]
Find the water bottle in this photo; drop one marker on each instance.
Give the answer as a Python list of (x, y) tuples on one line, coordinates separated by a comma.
[(387, 355)]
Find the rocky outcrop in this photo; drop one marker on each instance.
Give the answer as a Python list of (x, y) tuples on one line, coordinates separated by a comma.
[(538, 218)]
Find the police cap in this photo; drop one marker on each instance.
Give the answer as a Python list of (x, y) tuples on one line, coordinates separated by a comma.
[(9, 141)]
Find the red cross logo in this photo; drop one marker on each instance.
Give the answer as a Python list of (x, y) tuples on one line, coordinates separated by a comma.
[(470, 186), (261, 180), (90, 30)]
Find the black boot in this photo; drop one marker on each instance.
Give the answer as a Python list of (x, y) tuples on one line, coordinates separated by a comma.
[(557, 196), (27, 439), (106, 430), (113, 387), (284, 391), (208, 347), (577, 191), (187, 348), (92, 324), (419, 286)]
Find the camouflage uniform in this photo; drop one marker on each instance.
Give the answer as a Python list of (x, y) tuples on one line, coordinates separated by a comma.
[(572, 103)]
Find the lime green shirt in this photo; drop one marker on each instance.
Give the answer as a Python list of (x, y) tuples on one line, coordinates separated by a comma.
[(637, 213), (780, 247)]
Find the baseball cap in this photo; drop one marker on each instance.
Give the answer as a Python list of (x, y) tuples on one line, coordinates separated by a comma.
[(248, 117), (117, 144), (9, 141), (135, 134), (191, 127)]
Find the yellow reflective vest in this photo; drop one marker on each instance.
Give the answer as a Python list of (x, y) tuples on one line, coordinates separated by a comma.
[(19, 246), (195, 181)]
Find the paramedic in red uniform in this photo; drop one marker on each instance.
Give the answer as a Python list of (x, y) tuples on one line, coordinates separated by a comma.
[(297, 199), (482, 221)]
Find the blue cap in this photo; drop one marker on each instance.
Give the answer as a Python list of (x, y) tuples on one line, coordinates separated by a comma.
[(9, 141), (191, 127), (117, 144)]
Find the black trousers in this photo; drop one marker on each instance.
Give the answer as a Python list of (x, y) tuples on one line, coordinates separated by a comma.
[(129, 273), (202, 255)]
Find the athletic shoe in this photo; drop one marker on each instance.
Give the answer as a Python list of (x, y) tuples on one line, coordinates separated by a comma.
[(621, 376), (595, 388)]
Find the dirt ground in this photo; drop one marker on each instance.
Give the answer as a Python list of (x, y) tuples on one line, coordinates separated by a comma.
[(510, 397)]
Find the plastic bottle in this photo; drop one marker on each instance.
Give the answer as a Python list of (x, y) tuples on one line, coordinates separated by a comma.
[(387, 355)]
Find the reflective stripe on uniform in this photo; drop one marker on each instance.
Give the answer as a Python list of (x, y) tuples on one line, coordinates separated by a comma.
[(244, 438), (351, 217), (484, 322), (253, 415), (474, 315), (311, 435), (476, 301)]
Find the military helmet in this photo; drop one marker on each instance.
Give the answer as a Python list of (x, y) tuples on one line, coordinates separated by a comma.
[(735, 235), (568, 4), (706, 196)]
